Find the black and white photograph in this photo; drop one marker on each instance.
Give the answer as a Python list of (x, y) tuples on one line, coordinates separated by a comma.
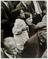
[(24, 29)]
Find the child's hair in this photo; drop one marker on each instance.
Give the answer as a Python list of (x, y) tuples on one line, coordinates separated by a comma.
[(18, 26), (8, 42)]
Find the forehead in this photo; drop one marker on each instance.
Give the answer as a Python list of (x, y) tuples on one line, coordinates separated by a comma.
[(10, 43)]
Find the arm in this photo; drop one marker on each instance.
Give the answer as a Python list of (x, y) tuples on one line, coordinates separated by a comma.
[(40, 25), (43, 23)]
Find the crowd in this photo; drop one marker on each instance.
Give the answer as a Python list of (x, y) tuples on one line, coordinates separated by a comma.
[(23, 29)]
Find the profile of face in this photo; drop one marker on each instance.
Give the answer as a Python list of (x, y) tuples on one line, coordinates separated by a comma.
[(29, 20), (10, 44), (22, 15)]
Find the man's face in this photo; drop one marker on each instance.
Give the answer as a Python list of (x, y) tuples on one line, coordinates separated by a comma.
[(22, 15)]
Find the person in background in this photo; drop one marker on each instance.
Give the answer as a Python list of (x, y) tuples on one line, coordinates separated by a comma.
[(43, 6)]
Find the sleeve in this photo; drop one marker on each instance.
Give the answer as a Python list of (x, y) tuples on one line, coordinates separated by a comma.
[(42, 23)]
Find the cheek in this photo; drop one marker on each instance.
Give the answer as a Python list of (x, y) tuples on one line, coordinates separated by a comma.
[(30, 21), (13, 52)]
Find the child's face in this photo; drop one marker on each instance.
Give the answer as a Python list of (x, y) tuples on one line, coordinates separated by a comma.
[(11, 47), (13, 51)]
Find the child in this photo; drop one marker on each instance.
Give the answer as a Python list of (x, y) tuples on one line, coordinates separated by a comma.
[(20, 34), (10, 50)]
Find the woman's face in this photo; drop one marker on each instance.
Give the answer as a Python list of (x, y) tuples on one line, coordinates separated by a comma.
[(29, 21)]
